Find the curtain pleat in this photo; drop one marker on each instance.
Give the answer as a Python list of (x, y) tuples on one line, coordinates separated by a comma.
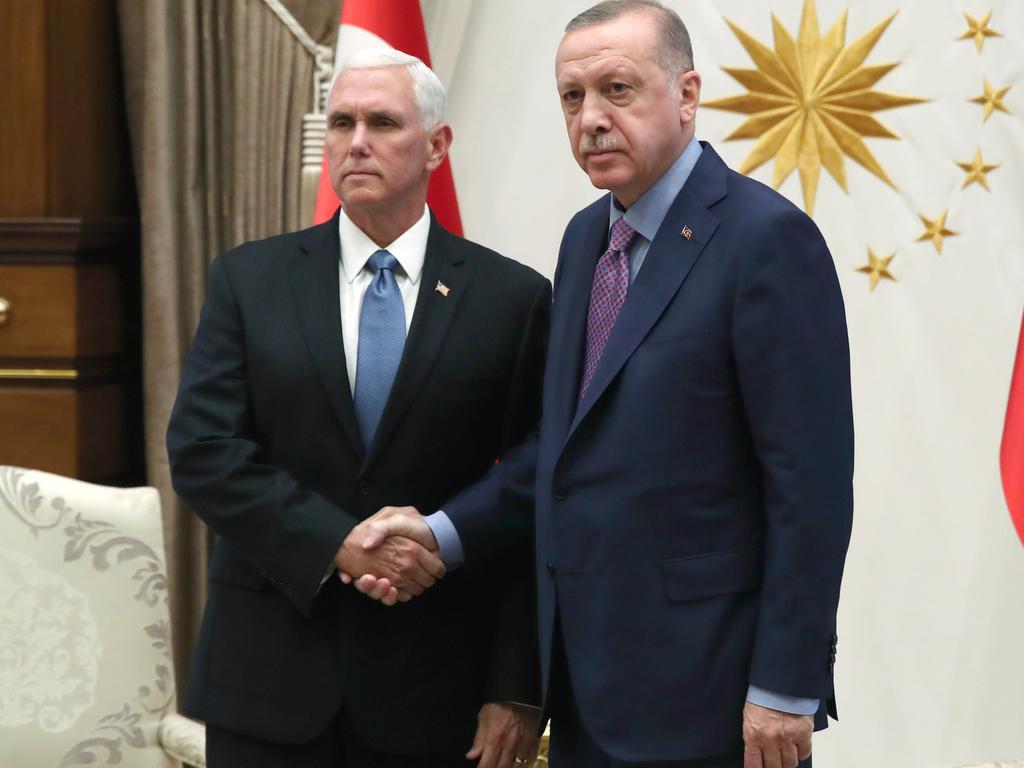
[(215, 93)]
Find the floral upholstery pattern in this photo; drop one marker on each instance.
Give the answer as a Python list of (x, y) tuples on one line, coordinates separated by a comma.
[(85, 668), (49, 647)]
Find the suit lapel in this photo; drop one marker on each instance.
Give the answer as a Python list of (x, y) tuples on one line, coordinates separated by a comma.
[(569, 319), (668, 262), (316, 292), (430, 322)]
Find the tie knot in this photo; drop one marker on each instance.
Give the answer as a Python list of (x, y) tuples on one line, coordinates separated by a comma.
[(383, 260), (622, 235)]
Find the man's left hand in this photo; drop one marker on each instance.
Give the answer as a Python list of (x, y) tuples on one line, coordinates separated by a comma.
[(507, 736), (774, 739)]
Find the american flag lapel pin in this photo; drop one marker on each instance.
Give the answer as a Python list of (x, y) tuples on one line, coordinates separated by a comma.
[(687, 232), (442, 288)]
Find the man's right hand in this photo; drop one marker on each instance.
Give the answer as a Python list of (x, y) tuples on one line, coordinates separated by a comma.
[(387, 523), (395, 567), (774, 739), (398, 521)]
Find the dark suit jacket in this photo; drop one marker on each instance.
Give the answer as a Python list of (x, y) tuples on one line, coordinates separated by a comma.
[(264, 446), (693, 511)]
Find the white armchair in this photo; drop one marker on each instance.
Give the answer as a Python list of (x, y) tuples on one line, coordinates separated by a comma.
[(86, 675)]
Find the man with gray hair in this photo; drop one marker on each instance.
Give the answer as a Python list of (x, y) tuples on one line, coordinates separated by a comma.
[(373, 360), (693, 469)]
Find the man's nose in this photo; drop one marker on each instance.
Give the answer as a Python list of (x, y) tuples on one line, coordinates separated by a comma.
[(360, 143), (594, 115)]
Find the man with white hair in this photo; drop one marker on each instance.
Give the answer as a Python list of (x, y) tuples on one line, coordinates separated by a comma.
[(375, 359)]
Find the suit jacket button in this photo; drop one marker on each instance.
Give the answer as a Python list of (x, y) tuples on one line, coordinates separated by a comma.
[(551, 568), (560, 494), (362, 489)]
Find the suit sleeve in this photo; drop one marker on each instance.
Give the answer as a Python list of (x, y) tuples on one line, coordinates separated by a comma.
[(514, 670), (793, 365), (496, 513), (284, 531)]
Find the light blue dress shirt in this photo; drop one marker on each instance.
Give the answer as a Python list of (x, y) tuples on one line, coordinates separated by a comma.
[(645, 216), (448, 542), (647, 213)]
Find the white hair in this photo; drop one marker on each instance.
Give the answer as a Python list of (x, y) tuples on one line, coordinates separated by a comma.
[(430, 95)]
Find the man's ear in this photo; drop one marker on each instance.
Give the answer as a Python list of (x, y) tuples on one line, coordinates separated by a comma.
[(689, 90), (440, 139)]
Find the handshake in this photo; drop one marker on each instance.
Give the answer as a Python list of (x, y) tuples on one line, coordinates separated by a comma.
[(392, 556)]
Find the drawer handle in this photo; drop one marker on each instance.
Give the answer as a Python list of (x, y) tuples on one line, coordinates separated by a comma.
[(5, 310)]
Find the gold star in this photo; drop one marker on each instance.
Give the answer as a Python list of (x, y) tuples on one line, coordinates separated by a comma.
[(977, 170), (935, 230), (877, 269), (978, 29), (992, 99), (810, 101)]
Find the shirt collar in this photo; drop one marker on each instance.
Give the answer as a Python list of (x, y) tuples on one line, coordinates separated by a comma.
[(409, 248), (647, 213)]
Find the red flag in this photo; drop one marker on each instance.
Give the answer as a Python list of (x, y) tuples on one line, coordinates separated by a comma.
[(1011, 456), (389, 24)]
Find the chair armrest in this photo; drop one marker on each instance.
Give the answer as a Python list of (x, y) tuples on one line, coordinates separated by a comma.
[(183, 739)]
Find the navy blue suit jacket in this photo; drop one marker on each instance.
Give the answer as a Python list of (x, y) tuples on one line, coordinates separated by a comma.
[(693, 511)]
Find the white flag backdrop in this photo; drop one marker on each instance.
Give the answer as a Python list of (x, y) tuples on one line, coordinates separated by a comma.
[(930, 668)]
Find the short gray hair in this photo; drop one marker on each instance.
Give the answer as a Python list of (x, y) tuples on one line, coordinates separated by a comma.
[(431, 101), (674, 54)]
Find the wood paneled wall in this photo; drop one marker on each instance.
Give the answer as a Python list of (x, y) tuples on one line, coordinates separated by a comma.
[(64, 147), (69, 279)]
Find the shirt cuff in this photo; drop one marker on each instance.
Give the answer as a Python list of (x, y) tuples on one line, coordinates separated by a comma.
[(449, 544), (794, 705)]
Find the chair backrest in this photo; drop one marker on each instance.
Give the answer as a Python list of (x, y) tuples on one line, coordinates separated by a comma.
[(85, 638)]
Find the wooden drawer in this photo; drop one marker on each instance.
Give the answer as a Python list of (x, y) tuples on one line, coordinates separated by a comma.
[(69, 431), (61, 310)]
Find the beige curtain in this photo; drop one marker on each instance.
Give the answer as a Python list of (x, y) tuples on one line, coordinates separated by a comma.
[(215, 93)]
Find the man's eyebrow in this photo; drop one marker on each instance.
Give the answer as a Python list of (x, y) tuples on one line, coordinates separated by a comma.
[(601, 73), (377, 114), (383, 114)]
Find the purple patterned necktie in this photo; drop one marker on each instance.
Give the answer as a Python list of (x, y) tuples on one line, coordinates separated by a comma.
[(611, 282)]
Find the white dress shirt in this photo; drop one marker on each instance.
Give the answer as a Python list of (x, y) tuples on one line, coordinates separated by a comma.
[(409, 249)]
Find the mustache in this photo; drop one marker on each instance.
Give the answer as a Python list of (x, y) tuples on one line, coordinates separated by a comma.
[(600, 143)]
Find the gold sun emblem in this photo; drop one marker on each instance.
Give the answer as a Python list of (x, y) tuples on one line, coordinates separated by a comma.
[(810, 102)]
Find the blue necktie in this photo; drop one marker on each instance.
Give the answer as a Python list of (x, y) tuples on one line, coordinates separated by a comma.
[(381, 341)]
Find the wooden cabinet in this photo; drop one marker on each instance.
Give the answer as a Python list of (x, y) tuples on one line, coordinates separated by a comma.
[(70, 382), (69, 358), (71, 427), (61, 310)]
